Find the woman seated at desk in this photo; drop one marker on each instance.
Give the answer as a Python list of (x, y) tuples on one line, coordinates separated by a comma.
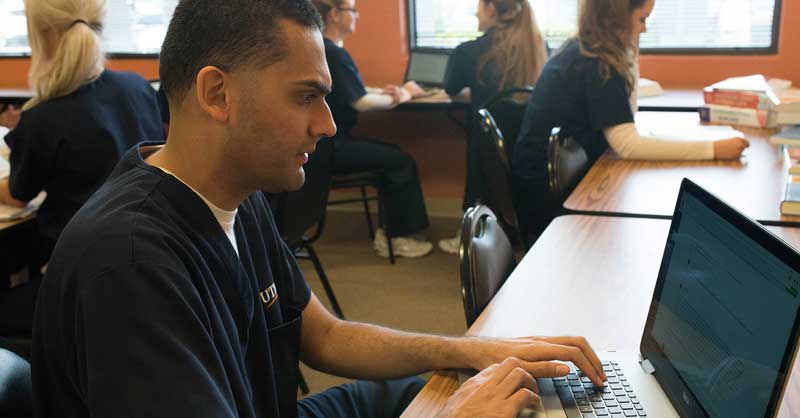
[(510, 53), (588, 89), (82, 118), (405, 215)]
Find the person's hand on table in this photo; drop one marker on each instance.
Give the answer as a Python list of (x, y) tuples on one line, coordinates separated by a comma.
[(413, 88), (399, 94), (730, 149), (537, 355), (10, 117), (501, 390)]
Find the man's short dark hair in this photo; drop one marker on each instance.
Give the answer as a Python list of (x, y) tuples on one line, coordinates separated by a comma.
[(228, 34)]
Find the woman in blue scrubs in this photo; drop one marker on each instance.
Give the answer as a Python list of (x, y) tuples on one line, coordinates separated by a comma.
[(510, 53), (81, 120), (588, 89)]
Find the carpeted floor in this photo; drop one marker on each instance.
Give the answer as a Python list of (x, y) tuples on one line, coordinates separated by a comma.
[(421, 295)]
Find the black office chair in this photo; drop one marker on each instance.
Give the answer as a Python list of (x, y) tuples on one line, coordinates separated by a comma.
[(16, 392), (487, 260), (508, 110), (362, 181), (567, 163), (496, 171), (298, 212)]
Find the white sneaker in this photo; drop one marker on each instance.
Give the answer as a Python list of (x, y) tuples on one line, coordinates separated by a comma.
[(401, 246), (451, 245)]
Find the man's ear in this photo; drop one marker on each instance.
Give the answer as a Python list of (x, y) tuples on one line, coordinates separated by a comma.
[(213, 93)]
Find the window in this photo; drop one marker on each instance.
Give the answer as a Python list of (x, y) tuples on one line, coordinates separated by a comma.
[(132, 27), (685, 26)]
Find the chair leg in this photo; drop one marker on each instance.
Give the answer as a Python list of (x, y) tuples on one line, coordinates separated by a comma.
[(389, 236), (366, 212), (324, 279), (301, 381)]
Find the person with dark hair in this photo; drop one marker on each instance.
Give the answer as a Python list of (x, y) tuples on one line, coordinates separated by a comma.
[(588, 89), (171, 292), (405, 214)]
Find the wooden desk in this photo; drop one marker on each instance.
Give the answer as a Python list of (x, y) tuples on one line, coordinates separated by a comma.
[(439, 102), (673, 100), (620, 258), (753, 185), (15, 95)]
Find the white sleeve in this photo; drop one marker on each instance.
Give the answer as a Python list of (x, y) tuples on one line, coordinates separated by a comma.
[(625, 140), (372, 101)]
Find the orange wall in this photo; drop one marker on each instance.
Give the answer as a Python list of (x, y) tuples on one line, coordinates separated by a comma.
[(14, 71)]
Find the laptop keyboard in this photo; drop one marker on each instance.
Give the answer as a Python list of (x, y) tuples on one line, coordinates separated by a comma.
[(581, 399)]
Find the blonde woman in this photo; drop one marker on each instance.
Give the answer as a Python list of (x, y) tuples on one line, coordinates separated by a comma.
[(510, 53), (588, 89), (82, 119)]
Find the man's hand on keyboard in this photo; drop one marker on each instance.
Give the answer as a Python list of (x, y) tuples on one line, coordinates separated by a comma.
[(537, 355), (501, 390)]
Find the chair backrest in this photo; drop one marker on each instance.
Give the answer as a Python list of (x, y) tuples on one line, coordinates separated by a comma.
[(495, 169), (297, 212), (508, 110), (16, 392), (567, 163), (487, 259)]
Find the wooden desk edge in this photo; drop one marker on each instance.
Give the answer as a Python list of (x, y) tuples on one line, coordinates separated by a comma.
[(433, 396)]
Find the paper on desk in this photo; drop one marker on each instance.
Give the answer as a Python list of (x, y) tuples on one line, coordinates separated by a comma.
[(10, 213), (689, 133)]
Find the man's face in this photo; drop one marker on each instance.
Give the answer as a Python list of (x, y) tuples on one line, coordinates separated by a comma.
[(279, 113)]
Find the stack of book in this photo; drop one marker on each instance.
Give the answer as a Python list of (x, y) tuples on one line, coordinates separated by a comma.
[(789, 142), (745, 101), (787, 112)]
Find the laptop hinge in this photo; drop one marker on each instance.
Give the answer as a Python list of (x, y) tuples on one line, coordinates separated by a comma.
[(647, 367)]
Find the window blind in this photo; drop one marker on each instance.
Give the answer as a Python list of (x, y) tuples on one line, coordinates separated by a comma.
[(131, 26), (674, 24)]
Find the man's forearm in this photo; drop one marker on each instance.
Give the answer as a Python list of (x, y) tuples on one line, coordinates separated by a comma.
[(364, 351)]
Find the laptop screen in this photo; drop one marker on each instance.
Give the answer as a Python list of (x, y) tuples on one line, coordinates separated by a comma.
[(427, 68), (722, 329)]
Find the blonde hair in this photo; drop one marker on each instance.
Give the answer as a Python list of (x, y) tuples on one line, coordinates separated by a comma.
[(518, 50), (64, 37), (604, 32)]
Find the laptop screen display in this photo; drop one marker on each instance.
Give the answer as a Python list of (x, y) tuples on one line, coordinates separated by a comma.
[(427, 68), (724, 313)]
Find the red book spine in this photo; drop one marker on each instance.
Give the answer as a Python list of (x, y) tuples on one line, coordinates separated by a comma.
[(733, 98)]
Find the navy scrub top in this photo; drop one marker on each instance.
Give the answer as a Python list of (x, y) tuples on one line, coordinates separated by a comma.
[(570, 94), (347, 87), (147, 311), (67, 146), (462, 71)]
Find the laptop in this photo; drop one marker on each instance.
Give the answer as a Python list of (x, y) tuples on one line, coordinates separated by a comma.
[(721, 333), (427, 69)]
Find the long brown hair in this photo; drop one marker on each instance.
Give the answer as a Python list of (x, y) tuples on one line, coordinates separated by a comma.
[(75, 25), (518, 50), (604, 32)]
